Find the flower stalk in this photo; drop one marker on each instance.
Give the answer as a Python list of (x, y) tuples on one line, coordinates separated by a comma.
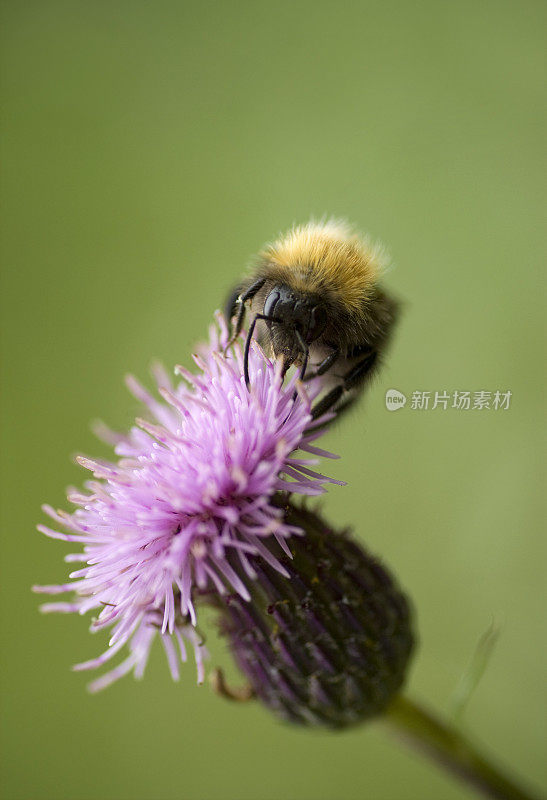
[(450, 749)]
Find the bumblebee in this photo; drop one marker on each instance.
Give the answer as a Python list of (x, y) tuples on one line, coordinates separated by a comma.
[(314, 300)]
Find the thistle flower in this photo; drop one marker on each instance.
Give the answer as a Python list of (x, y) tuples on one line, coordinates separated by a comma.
[(188, 502), (330, 644)]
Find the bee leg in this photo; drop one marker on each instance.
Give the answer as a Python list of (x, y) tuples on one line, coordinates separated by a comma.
[(239, 302), (305, 352), (325, 365), (327, 402), (363, 369), (356, 375)]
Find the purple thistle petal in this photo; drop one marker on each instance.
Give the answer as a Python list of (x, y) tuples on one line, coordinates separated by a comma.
[(193, 482)]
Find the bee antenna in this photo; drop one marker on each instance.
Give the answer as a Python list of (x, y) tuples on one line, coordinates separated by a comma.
[(248, 340), (240, 302)]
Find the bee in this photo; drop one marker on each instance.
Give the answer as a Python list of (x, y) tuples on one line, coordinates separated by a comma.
[(314, 300)]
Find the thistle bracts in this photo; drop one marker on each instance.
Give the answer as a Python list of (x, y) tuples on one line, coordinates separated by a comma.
[(329, 645)]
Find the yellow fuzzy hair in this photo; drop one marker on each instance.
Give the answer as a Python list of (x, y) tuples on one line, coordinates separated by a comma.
[(326, 256)]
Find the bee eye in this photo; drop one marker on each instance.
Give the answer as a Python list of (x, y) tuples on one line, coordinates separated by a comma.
[(271, 302), (318, 323)]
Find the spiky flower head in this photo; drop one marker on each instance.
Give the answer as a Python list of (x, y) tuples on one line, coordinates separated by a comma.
[(190, 495), (330, 644)]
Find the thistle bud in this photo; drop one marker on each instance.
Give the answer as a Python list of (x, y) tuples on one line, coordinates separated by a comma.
[(330, 643)]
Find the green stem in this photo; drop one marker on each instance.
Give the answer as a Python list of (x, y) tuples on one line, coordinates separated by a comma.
[(451, 750)]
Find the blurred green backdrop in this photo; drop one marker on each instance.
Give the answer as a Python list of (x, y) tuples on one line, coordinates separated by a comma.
[(149, 149)]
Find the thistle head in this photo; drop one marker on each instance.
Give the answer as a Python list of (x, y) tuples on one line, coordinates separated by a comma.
[(188, 502)]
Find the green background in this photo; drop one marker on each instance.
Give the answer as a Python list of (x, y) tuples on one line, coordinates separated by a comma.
[(149, 148)]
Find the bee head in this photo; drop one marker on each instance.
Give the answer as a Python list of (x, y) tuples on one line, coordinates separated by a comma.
[(295, 320)]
